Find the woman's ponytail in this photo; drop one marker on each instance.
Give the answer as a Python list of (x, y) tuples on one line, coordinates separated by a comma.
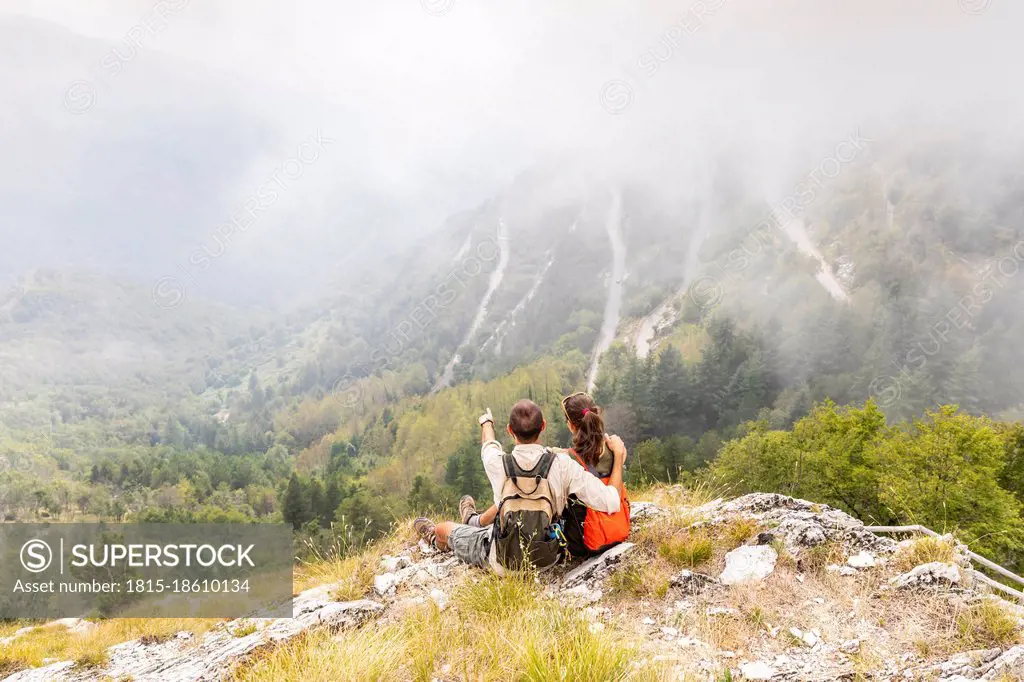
[(586, 418)]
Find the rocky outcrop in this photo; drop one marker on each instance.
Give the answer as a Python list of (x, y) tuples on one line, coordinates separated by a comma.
[(984, 664), (691, 583), (801, 524), (187, 658), (810, 637), (935, 574), (598, 567)]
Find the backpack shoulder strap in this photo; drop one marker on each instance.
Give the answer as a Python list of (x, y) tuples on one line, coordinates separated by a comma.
[(511, 468), (544, 465), (539, 470)]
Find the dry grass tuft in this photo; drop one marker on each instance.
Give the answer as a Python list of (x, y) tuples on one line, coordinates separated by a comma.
[(354, 573), (639, 581), (924, 550), (498, 597), (988, 625), (737, 531), (497, 629), (815, 559), (785, 559), (723, 631), (679, 496), (89, 649), (574, 653), (369, 653)]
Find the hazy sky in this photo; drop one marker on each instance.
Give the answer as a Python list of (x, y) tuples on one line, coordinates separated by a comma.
[(435, 105)]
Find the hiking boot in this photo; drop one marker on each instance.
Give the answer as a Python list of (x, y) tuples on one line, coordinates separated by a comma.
[(424, 527), (467, 508)]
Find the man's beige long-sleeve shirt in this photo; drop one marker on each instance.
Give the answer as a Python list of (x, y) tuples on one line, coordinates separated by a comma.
[(565, 478)]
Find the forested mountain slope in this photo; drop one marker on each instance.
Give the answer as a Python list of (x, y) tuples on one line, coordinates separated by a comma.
[(341, 409)]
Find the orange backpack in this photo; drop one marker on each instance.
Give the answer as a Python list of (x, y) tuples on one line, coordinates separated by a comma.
[(588, 531)]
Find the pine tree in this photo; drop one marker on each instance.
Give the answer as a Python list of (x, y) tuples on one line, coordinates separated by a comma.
[(173, 434), (296, 505), (317, 500), (332, 500), (672, 391)]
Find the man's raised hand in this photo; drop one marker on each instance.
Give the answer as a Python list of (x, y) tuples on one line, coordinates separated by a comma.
[(486, 417)]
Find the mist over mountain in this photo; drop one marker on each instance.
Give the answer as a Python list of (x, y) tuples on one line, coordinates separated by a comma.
[(267, 263), (191, 110)]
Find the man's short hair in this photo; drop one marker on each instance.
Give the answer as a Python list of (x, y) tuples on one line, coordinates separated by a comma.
[(526, 421)]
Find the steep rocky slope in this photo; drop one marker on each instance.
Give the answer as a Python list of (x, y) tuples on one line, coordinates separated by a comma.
[(763, 587)]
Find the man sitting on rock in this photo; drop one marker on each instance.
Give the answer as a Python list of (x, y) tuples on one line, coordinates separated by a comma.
[(531, 487)]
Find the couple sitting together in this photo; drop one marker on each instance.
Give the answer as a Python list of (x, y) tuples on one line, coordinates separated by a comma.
[(548, 503)]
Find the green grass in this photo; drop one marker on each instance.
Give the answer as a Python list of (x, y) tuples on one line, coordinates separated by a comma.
[(925, 550), (988, 625), (688, 550), (575, 654), (638, 581), (499, 597), (244, 630), (737, 532)]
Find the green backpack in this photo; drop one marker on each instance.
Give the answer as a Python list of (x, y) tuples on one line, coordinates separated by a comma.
[(522, 533)]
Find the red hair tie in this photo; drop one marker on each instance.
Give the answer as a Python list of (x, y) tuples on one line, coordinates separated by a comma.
[(586, 410)]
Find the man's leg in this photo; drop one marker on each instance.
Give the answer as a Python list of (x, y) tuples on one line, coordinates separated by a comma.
[(434, 534), (441, 533), (470, 545), (487, 518)]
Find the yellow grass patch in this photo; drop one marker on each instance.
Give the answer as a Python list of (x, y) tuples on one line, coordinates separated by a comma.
[(988, 625), (497, 629), (924, 550), (90, 648), (354, 574)]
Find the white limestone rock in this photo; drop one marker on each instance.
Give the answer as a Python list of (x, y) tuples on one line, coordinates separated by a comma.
[(935, 574), (597, 567), (863, 559), (748, 564), (440, 598), (386, 584), (758, 670), (644, 510)]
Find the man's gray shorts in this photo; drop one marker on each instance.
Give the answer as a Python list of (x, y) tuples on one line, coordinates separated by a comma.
[(471, 545)]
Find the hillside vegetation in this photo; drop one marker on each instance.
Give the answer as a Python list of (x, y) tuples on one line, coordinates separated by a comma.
[(326, 417)]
